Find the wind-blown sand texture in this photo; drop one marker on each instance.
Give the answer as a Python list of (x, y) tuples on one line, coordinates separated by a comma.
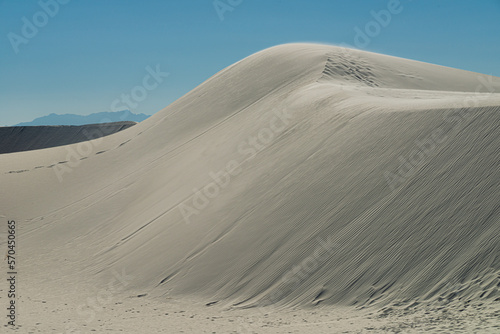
[(363, 197)]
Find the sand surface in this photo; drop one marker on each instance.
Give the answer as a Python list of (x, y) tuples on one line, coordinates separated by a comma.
[(304, 189)]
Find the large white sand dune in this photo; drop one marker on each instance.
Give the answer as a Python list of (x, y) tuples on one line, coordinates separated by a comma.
[(362, 180)]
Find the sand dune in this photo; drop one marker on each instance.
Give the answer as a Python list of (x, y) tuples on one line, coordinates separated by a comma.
[(28, 138), (305, 176)]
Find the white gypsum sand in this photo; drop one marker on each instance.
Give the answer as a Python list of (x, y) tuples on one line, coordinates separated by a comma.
[(304, 189)]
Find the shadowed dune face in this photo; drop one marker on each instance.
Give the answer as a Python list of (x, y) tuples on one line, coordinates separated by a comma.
[(301, 175), (27, 138)]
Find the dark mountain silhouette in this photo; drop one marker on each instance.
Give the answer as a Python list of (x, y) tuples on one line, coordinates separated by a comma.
[(96, 118)]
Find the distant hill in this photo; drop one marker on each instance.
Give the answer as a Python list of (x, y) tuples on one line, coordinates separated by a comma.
[(96, 118), (28, 138)]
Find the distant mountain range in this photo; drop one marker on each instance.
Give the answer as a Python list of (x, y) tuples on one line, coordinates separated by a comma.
[(96, 118)]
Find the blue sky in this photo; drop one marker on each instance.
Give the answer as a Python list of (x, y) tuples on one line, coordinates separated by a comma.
[(86, 54)]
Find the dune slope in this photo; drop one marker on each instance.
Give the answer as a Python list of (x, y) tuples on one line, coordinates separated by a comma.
[(302, 175)]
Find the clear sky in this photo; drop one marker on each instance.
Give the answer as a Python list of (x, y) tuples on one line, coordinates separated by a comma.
[(81, 56)]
